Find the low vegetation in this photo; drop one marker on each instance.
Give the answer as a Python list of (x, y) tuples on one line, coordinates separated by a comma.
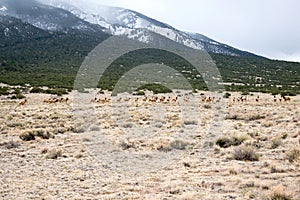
[(245, 153), (279, 193), (293, 154), (226, 141), (54, 154), (155, 88)]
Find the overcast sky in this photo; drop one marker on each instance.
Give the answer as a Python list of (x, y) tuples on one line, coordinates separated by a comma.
[(269, 28)]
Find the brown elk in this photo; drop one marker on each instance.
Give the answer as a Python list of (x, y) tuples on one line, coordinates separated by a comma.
[(23, 102), (286, 98)]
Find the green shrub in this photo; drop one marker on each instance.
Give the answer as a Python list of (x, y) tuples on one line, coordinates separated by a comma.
[(227, 95), (139, 93), (4, 91), (155, 88), (18, 96), (245, 93), (37, 90)]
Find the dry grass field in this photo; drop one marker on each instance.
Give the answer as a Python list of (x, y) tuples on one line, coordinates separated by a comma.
[(46, 153)]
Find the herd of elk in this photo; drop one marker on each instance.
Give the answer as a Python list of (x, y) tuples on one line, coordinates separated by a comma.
[(56, 100), (104, 100), (155, 99), (143, 99), (257, 98)]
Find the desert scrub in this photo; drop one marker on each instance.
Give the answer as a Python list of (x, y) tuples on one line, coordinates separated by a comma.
[(179, 145), (207, 106), (293, 154), (124, 145), (54, 154), (190, 122), (245, 153), (10, 144), (233, 117), (245, 118), (255, 117), (27, 135), (176, 144), (32, 133), (279, 193), (276, 142), (226, 142)]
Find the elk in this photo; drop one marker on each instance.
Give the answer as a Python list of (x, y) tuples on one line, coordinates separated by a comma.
[(175, 99), (285, 98), (22, 102)]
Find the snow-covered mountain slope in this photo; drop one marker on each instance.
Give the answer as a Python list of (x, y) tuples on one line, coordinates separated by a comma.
[(13, 31), (120, 21), (54, 15), (44, 16)]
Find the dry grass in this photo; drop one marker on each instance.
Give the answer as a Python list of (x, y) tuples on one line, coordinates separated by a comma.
[(279, 193), (293, 154), (245, 153), (54, 154), (266, 133), (235, 140)]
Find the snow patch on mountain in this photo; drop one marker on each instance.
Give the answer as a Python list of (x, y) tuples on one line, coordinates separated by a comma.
[(3, 9), (120, 21), (135, 34), (6, 32)]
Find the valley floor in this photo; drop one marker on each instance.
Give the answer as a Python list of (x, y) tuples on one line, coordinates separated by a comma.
[(128, 147)]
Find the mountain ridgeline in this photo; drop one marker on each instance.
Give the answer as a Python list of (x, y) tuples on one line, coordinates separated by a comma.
[(44, 45)]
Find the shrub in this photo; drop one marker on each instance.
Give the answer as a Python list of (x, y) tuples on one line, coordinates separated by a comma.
[(54, 154), (245, 153), (126, 145), (225, 142), (276, 143), (227, 95), (10, 144), (233, 117), (18, 96), (279, 193), (179, 144), (27, 136), (139, 93), (245, 93), (293, 154), (43, 134), (37, 90), (4, 91), (207, 106), (255, 117), (155, 88)]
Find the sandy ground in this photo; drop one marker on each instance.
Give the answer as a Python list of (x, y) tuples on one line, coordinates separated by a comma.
[(135, 149)]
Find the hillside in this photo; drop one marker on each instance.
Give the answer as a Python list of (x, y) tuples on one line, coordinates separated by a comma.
[(36, 54)]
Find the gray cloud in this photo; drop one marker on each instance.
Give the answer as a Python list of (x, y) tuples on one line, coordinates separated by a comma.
[(269, 27)]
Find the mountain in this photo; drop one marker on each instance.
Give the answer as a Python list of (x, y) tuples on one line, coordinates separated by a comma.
[(120, 21), (13, 30), (44, 16), (44, 45)]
